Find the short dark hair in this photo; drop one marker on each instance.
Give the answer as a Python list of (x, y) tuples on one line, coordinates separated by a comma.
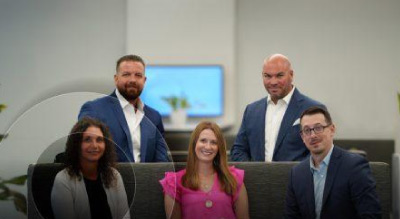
[(316, 110), (132, 58), (73, 151)]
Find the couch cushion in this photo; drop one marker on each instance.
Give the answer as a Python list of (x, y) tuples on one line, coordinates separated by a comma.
[(266, 185)]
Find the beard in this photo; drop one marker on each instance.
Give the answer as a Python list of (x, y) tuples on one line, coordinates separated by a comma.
[(130, 92)]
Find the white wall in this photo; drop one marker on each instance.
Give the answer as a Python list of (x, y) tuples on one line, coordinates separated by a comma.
[(48, 48), (344, 54), (186, 32)]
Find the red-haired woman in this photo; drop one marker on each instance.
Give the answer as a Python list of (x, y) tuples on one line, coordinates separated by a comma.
[(207, 188)]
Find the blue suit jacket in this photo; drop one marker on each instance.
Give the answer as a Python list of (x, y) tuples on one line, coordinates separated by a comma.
[(250, 140), (152, 144), (349, 189)]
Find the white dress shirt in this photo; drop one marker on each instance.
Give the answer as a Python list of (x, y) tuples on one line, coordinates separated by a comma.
[(133, 118), (273, 119), (319, 177)]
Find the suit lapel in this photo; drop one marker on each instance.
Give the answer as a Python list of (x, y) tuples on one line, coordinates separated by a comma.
[(144, 129), (310, 197), (288, 119), (331, 174), (119, 114), (260, 127)]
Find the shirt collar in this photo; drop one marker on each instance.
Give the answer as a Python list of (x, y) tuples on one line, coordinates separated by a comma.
[(324, 162), (124, 103), (286, 99)]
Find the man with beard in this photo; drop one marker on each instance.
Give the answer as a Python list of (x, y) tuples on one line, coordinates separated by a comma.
[(331, 183), (270, 126), (136, 129)]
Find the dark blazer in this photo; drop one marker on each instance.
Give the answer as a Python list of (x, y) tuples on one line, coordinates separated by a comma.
[(250, 140), (349, 189), (152, 144)]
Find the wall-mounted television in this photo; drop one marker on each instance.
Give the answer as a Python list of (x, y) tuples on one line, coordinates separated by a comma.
[(201, 85)]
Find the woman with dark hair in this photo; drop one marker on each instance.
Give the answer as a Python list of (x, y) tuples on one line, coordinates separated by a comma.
[(207, 188), (89, 186)]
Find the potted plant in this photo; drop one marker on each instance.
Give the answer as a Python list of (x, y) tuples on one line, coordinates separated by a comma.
[(9, 194), (178, 105)]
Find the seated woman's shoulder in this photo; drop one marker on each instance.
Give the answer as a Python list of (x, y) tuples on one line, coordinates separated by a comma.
[(171, 183), (236, 172), (115, 171), (173, 175), (62, 174)]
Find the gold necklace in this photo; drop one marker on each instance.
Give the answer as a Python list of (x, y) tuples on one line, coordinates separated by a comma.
[(208, 203), (206, 187), (206, 184)]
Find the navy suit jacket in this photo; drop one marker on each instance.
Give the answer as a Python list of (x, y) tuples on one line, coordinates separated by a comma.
[(152, 144), (349, 189), (250, 140)]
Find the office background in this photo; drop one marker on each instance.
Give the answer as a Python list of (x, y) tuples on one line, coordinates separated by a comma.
[(56, 54)]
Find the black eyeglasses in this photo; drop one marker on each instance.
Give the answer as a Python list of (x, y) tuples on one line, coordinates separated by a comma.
[(317, 130)]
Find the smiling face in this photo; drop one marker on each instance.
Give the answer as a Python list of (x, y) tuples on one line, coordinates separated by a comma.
[(130, 79), (277, 77), (206, 146), (321, 143), (93, 145)]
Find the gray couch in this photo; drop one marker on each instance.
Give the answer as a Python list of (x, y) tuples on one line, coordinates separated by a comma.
[(376, 150), (266, 185)]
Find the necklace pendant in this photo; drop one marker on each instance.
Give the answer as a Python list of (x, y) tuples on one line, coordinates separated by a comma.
[(208, 204)]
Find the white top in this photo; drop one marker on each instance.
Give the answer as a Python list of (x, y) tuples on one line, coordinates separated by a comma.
[(273, 119), (69, 198), (133, 119)]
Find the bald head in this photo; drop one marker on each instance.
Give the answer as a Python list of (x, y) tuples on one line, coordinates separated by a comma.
[(277, 76), (278, 59)]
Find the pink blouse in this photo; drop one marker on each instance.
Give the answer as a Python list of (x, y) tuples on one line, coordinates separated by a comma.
[(199, 204)]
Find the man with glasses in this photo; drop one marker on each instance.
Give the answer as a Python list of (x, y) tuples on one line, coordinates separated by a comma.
[(270, 126), (332, 183)]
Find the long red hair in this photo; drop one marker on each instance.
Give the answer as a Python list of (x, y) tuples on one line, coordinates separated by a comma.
[(191, 178)]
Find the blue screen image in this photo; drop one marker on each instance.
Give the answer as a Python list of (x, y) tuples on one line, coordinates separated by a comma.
[(201, 85)]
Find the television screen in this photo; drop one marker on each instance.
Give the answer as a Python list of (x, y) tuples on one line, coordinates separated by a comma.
[(201, 85)]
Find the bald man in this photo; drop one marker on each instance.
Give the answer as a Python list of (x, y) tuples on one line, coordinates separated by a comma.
[(270, 129)]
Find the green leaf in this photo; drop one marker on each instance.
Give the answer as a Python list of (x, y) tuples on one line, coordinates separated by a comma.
[(5, 195), (176, 102), (2, 185), (2, 137), (20, 202), (2, 107), (172, 101), (19, 180), (398, 99), (184, 103)]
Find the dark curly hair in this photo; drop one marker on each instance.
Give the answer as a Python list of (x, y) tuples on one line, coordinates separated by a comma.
[(73, 151)]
